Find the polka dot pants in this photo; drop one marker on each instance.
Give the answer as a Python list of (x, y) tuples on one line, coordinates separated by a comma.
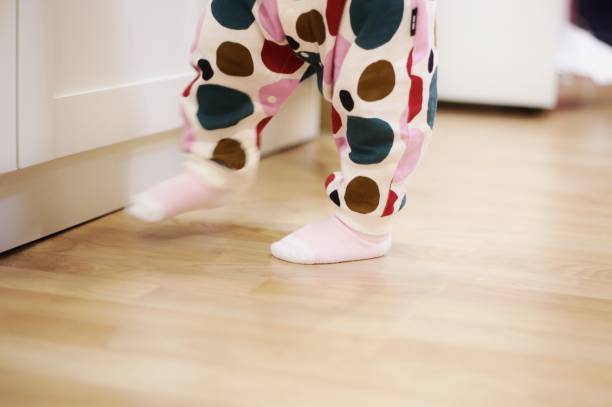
[(376, 61)]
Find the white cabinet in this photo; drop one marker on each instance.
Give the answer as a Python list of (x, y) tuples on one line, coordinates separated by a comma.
[(95, 78), (94, 73), (500, 52), (8, 64)]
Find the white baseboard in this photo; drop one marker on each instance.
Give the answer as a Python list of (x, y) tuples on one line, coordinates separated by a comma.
[(51, 197)]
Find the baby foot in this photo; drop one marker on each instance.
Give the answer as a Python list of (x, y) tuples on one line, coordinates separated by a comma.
[(183, 193), (330, 241)]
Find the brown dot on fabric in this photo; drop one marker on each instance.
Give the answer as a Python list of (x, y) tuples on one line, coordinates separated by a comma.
[(377, 81), (229, 153), (234, 59), (362, 195), (311, 27)]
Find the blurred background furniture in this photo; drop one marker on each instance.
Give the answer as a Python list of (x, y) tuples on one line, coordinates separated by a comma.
[(500, 52)]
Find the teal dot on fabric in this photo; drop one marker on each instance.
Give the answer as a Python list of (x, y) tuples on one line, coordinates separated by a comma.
[(375, 22), (432, 61), (312, 58), (222, 107), (315, 68), (234, 14), (312, 71), (433, 100), (370, 140), (293, 43), (320, 80)]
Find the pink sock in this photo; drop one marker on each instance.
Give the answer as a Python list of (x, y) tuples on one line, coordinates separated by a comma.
[(330, 241), (183, 193)]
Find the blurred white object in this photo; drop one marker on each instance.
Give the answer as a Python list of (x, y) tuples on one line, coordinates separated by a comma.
[(582, 54), (500, 52)]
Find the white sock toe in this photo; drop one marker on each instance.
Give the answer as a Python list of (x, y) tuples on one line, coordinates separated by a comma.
[(146, 209), (294, 251)]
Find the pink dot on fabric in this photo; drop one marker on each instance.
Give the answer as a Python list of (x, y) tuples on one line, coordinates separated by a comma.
[(188, 134), (341, 143), (404, 124), (270, 20), (413, 139), (196, 41), (335, 59), (272, 97), (328, 70), (421, 39)]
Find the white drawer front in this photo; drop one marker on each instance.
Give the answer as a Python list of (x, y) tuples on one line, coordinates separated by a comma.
[(94, 73)]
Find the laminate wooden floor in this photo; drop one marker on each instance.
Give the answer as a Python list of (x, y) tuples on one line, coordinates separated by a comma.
[(498, 291)]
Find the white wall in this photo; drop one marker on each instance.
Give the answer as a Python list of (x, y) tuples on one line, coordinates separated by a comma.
[(8, 63)]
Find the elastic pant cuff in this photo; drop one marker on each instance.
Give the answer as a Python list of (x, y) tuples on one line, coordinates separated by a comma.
[(368, 225)]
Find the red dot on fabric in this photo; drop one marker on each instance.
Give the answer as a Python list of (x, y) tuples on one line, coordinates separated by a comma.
[(416, 91), (410, 62), (260, 128), (333, 14), (187, 90), (336, 121), (329, 180), (390, 204), (280, 58)]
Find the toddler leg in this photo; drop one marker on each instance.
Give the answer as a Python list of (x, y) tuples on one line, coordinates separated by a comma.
[(245, 72), (383, 90)]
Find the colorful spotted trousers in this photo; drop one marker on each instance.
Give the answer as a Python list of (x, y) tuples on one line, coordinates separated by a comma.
[(374, 60)]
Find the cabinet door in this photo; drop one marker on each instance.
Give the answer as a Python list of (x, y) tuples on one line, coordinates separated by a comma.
[(8, 97), (95, 73), (500, 52)]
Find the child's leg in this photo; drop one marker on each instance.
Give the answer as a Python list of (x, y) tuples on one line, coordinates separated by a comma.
[(384, 99), (245, 72)]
